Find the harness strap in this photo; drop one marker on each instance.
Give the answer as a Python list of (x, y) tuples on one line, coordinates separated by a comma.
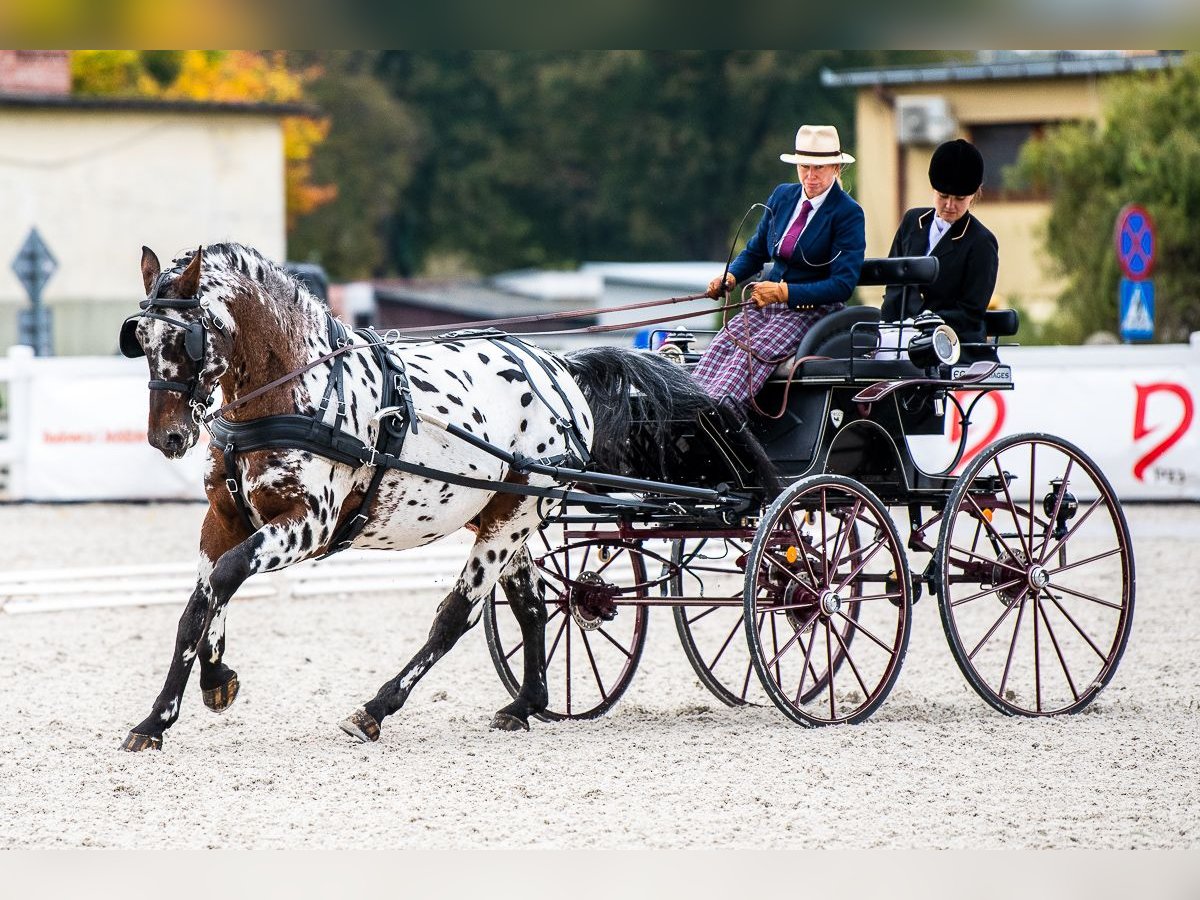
[(576, 435)]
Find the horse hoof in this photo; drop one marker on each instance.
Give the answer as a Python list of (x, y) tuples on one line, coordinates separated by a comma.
[(361, 726), (504, 722), (220, 698), (136, 743)]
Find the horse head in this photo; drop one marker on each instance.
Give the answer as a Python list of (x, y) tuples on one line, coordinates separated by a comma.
[(185, 343)]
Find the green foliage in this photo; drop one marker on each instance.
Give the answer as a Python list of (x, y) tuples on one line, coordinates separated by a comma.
[(541, 158), (1146, 152), (163, 66)]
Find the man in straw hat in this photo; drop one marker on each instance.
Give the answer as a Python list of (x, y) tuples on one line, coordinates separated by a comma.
[(967, 253), (814, 236)]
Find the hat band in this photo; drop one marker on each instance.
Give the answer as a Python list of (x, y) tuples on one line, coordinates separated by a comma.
[(818, 152)]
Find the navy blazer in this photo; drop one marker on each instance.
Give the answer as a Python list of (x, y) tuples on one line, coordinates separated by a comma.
[(968, 261), (825, 265)]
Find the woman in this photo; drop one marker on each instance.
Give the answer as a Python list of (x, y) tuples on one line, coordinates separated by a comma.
[(967, 253), (815, 236)]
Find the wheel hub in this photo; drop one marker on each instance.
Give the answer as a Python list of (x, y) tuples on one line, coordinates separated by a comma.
[(591, 601), (831, 603), (1038, 577), (1002, 575)]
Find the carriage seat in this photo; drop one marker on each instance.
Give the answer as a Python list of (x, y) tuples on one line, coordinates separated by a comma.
[(833, 334)]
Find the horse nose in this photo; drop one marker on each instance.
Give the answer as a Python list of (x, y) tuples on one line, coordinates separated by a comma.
[(173, 443)]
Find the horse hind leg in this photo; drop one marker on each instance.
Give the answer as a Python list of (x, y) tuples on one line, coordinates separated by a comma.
[(504, 527), (526, 596)]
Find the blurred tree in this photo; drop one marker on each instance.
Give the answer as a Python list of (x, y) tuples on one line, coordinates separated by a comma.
[(549, 158), (1147, 151), (370, 154), (233, 76)]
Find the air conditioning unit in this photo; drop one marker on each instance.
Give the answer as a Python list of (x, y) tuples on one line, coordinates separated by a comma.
[(924, 120)]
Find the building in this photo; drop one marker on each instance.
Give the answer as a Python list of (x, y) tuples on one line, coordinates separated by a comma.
[(98, 177), (998, 102)]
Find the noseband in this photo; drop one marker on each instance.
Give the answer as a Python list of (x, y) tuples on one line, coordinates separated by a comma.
[(195, 342)]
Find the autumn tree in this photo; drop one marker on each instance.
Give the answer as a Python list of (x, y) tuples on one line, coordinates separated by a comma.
[(219, 76), (1146, 151)]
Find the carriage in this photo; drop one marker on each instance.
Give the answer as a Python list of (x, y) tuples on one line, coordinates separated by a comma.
[(806, 598), (772, 540)]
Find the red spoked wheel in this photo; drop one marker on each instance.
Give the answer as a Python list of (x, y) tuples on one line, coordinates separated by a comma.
[(827, 601), (713, 635), (1035, 576), (595, 631)]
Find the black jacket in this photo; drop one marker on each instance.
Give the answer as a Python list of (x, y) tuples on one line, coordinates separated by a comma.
[(968, 258)]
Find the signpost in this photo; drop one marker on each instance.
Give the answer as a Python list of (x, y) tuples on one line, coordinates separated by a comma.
[(1136, 242), (33, 265)]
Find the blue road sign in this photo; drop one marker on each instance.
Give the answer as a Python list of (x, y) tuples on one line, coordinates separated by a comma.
[(1135, 242), (1137, 310)]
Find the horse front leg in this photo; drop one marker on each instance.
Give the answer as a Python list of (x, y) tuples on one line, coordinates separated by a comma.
[(218, 683), (203, 619)]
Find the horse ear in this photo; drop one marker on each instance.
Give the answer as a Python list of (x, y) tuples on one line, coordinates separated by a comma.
[(186, 284), (150, 268)]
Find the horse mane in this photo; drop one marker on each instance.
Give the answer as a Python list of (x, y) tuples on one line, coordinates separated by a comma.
[(227, 264)]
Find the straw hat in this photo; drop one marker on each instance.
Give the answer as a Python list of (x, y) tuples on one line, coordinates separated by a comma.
[(817, 145)]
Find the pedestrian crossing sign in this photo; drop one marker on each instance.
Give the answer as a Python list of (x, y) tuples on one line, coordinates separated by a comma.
[(1137, 310)]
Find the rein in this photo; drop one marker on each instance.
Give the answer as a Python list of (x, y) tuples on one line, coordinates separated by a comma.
[(466, 326)]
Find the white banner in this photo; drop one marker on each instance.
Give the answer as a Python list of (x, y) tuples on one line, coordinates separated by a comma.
[(84, 435)]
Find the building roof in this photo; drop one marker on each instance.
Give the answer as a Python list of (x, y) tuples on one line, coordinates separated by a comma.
[(153, 104), (687, 276), (473, 300), (1007, 65)]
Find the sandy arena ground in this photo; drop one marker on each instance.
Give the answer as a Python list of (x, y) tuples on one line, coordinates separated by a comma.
[(669, 767)]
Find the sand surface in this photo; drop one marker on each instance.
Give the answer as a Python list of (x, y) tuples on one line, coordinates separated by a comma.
[(669, 767)]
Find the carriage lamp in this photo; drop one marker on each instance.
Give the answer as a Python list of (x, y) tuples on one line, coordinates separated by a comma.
[(1066, 508), (935, 344)]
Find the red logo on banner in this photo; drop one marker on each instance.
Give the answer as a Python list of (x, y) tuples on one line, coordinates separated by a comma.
[(992, 432), (1141, 429)]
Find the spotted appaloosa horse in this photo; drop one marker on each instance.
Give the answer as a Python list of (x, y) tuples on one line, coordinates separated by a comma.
[(226, 316)]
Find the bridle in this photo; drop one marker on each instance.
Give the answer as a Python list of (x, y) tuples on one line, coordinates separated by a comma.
[(195, 342)]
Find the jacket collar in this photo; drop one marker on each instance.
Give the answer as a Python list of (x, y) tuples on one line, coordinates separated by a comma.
[(948, 243)]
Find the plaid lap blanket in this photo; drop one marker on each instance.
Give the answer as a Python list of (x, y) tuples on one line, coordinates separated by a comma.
[(729, 369)]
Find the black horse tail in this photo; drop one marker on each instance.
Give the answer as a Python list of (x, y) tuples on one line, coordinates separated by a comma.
[(608, 377)]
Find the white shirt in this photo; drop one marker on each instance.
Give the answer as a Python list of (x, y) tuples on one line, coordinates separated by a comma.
[(936, 229), (814, 202)]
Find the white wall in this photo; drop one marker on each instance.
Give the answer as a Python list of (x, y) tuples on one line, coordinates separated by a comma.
[(100, 183)]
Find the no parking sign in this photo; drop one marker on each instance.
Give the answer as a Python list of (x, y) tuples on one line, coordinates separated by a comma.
[(1135, 244)]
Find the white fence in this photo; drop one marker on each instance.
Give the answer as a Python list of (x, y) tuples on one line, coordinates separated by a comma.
[(77, 426)]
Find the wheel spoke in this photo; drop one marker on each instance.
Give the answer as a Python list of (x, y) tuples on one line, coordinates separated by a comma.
[(1058, 650), (829, 670), (843, 535), (799, 631), (807, 666), (1037, 659), (707, 612), (1083, 634), (853, 667), (987, 523), (796, 579), (991, 560), (728, 639), (1012, 645), (557, 638), (587, 645), (858, 626), (991, 631), (854, 574), (994, 589), (1084, 562), (1025, 545), (1082, 596), (1066, 537), (1058, 499), (612, 640)]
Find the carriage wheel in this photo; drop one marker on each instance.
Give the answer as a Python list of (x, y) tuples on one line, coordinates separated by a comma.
[(1035, 576), (811, 582), (713, 636), (590, 658)]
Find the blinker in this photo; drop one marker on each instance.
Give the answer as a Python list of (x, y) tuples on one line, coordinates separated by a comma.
[(130, 346)]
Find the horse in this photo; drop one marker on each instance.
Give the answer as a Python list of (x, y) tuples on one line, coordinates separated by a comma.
[(328, 441)]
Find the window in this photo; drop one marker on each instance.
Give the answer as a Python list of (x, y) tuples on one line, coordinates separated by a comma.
[(1000, 146)]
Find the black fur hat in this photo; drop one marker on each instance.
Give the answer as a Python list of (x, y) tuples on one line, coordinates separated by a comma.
[(956, 168)]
